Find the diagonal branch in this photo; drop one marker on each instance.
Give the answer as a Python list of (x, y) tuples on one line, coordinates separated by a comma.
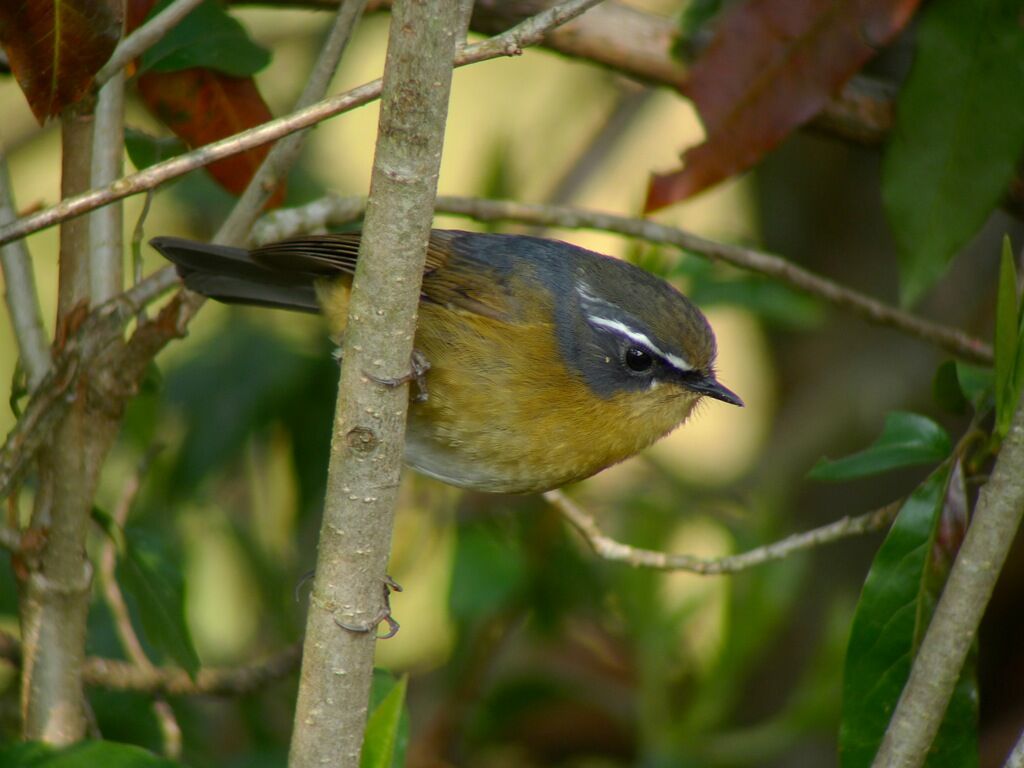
[(509, 43), (20, 292), (961, 606), (334, 210), (285, 153), (615, 551), (144, 38)]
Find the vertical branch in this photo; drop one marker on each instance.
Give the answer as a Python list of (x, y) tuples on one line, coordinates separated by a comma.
[(367, 442), (282, 156), (106, 262), (936, 669), (55, 595), (20, 291)]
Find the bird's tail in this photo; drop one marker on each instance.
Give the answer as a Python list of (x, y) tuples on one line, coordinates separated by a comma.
[(232, 275)]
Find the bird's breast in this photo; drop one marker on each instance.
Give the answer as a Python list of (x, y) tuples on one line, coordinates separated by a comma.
[(505, 414)]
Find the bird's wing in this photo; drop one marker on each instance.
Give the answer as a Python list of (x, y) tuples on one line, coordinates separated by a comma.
[(451, 278)]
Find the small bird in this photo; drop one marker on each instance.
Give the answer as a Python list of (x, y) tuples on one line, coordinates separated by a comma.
[(546, 362)]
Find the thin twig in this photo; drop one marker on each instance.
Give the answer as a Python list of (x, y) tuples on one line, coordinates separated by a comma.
[(122, 619), (615, 551), (20, 291), (118, 675), (509, 43), (285, 153), (106, 260), (210, 681), (333, 210), (144, 38), (961, 606)]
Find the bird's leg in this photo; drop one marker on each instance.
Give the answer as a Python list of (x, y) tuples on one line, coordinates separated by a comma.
[(418, 367), (384, 614)]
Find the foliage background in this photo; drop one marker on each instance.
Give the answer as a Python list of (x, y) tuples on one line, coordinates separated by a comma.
[(521, 647)]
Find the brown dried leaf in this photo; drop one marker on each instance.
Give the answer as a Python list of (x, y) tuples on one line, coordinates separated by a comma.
[(770, 67), (201, 106), (55, 47)]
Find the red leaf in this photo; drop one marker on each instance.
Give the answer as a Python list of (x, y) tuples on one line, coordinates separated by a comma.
[(55, 47), (200, 106), (770, 67)]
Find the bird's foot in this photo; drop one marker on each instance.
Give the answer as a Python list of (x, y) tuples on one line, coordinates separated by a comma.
[(383, 615), (418, 367)]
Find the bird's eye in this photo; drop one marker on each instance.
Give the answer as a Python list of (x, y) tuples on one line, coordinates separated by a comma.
[(638, 359)]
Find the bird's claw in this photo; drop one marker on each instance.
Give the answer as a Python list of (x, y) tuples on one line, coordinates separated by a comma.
[(418, 367), (384, 614)]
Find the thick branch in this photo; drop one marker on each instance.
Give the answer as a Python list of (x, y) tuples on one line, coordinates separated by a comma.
[(55, 596), (953, 627), (369, 425), (610, 549), (332, 210)]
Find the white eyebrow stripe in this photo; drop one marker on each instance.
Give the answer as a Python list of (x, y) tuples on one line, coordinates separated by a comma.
[(614, 325)]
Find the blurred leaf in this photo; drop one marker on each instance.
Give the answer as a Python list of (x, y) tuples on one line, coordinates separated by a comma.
[(907, 440), (697, 15), (1007, 341), (208, 37), (959, 133), (771, 66), (710, 283), (894, 610), (202, 106), (976, 383), (488, 573), (86, 754), (239, 381), (383, 744), (55, 48), (946, 389), (145, 150), (769, 299), (154, 581)]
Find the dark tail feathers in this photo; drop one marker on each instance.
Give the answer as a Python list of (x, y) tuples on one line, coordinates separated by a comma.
[(230, 275)]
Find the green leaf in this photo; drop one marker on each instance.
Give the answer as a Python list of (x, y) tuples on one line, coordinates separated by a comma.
[(154, 582), (946, 388), (266, 375), (86, 754), (958, 135), (894, 610), (976, 383), (1007, 339), (208, 37), (145, 150), (489, 572), (384, 730), (770, 299), (907, 440)]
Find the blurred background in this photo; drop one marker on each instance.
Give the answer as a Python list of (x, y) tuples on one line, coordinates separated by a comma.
[(521, 646)]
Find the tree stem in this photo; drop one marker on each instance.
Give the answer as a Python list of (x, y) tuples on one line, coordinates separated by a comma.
[(369, 426), (953, 627)]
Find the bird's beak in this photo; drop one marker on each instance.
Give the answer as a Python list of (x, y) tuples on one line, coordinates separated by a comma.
[(709, 386)]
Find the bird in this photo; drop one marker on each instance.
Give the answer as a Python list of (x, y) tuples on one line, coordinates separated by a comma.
[(546, 362)]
